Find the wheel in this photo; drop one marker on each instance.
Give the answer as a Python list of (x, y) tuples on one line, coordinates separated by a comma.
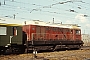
[(8, 51)]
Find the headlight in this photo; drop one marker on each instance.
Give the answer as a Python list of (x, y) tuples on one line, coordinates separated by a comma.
[(6, 46)]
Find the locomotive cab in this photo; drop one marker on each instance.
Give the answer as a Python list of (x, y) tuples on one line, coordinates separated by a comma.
[(76, 34)]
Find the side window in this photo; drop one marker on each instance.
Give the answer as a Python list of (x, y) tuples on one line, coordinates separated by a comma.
[(14, 31), (47, 28), (3, 30), (33, 28), (71, 31), (68, 30)]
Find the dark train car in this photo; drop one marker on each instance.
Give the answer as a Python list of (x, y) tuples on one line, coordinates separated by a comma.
[(11, 39), (42, 36)]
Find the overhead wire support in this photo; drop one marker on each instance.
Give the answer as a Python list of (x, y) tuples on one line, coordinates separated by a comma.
[(14, 16), (0, 3), (12, 0), (4, 2)]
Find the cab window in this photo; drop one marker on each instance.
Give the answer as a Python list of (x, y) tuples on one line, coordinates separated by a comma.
[(78, 32)]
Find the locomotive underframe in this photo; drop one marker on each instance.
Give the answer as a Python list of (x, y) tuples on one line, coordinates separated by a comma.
[(53, 44)]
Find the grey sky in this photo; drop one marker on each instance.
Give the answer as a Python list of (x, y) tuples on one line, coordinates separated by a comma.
[(66, 11)]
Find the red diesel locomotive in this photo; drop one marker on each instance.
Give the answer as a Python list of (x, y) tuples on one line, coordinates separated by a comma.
[(43, 36)]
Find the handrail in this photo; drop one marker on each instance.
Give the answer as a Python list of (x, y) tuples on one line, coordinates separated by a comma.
[(47, 36)]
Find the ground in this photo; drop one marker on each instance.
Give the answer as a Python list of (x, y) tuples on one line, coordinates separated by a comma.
[(57, 55)]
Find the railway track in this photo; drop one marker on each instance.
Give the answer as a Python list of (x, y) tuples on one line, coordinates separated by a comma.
[(82, 54), (85, 47)]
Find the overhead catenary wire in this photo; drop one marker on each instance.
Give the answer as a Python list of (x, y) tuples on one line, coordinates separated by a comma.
[(28, 9), (43, 11), (34, 4)]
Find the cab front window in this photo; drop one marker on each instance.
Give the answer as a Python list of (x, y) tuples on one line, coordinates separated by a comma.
[(78, 32)]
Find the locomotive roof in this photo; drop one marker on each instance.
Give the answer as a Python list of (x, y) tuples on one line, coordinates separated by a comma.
[(41, 23)]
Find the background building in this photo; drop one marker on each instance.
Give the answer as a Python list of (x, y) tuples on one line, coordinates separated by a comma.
[(86, 39)]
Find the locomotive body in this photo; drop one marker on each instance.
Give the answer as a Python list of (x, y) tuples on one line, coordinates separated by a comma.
[(44, 36)]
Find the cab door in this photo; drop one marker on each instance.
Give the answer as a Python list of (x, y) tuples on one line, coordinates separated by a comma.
[(37, 32)]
